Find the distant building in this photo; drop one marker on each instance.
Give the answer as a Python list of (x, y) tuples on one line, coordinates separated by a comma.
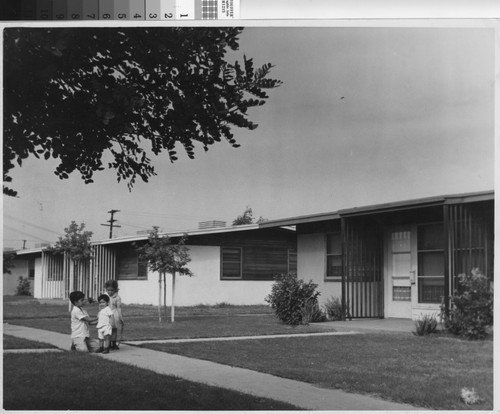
[(230, 264)]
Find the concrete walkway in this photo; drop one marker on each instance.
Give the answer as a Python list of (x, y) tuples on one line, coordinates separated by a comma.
[(303, 395), (370, 325)]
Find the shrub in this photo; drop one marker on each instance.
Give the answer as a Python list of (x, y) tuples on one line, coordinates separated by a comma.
[(311, 312), (426, 325), (23, 287), (289, 296), (333, 309), (471, 306)]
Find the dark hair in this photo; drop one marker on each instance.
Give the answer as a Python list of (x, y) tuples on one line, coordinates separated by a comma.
[(111, 284), (103, 297), (76, 296)]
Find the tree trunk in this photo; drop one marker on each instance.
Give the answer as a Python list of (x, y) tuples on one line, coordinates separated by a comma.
[(165, 295), (172, 313), (159, 297)]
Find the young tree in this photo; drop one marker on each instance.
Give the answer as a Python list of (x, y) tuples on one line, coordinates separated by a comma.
[(75, 242), (164, 257), (85, 95)]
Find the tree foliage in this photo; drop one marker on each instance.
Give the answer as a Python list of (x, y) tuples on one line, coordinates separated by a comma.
[(247, 218), (118, 96), (164, 256), (76, 242), (8, 261)]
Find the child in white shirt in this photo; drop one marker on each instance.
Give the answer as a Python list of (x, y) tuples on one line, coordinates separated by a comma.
[(80, 321), (104, 324)]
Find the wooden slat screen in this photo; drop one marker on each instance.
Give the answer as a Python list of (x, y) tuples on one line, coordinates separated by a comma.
[(362, 263)]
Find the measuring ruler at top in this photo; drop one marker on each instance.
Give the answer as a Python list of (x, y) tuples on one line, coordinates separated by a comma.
[(127, 10)]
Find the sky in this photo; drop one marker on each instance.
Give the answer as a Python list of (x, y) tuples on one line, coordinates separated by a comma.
[(365, 115)]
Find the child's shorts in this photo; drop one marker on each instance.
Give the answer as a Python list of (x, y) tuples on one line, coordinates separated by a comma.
[(102, 332)]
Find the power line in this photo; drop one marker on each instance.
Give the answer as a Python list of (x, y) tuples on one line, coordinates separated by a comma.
[(186, 216), (23, 232), (27, 223)]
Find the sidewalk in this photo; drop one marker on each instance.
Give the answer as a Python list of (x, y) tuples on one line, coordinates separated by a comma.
[(303, 395)]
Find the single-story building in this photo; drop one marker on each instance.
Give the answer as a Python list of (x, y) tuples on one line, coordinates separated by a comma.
[(233, 264), (398, 259)]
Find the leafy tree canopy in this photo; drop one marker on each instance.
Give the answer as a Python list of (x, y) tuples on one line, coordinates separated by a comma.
[(247, 218), (164, 256), (8, 261), (75, 242), (87, 95)]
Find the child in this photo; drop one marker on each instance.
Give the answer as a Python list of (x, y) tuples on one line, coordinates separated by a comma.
[(104, 324), (80, 321), (115, 303)]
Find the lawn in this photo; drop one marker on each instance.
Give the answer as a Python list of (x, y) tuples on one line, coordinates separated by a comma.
[(75, 381), (12, 342), (141, 322), (423, 371)]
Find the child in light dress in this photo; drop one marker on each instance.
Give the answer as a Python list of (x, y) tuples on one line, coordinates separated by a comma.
[(115, 304), (104, 324)]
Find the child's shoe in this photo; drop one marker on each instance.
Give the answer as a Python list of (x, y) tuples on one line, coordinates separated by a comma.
[(99, 350), (114, 346), (106, 351), (73, 347)]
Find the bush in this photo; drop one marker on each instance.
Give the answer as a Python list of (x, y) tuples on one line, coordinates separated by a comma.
[(23, 287), (471, 307), (333, 309), (425, 325), (311, 312), (290, 296)]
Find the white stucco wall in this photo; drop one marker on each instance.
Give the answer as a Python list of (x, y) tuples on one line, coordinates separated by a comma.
[(10, 281), (205, 287), (311, 265)]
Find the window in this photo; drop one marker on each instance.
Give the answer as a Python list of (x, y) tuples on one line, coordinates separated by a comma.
[(231, 263), (31, 268), (334, 256), (128, 265), (430, 263), (401, 293)]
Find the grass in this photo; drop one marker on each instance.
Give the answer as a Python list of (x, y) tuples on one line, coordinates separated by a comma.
[(75, 381), (141, 322), (12, 342), (423, 371)]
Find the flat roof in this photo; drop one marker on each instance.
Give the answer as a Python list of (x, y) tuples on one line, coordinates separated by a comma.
[(378, 208), (144, 237), (197, 232)]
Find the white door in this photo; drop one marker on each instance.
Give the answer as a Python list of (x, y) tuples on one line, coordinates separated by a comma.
[(401, 267)]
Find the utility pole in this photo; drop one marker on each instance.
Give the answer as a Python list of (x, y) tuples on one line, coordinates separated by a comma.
[(111, 221)]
